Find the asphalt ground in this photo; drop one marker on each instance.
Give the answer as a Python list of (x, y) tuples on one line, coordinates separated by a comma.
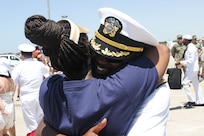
[(181, 121)]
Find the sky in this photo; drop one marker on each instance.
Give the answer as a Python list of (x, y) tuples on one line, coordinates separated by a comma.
[(165, 19)]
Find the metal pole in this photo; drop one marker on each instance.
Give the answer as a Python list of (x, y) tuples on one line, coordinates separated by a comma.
[(48, 9)]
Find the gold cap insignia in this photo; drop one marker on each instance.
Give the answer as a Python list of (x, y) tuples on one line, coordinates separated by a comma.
[(111, 26)]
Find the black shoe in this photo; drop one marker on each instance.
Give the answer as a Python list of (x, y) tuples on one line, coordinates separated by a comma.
[(198, 104), (189, 104)]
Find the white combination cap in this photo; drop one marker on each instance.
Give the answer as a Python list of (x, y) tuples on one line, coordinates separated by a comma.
[(187, 37), (130, 27), (5, 67), (119, 35), (26, 48)]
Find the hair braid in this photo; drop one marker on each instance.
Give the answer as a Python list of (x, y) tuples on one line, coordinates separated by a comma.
[(37, 28), (65, 55)]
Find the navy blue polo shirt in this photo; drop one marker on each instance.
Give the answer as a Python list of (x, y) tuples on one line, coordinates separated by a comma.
[(72, 107)]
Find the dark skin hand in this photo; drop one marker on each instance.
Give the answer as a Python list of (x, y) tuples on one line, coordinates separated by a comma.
[(178, 63), (94, 131)]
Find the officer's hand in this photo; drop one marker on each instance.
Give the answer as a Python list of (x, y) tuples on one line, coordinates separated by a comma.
[(177, 63)]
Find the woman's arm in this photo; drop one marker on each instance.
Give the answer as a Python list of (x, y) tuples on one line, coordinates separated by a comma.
[(2, 108), (159, 55), (46, 130)]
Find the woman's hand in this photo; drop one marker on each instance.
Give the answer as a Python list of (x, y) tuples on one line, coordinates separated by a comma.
[(96, 129)]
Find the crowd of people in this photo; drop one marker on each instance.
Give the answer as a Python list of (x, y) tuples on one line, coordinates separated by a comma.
[(109, 84), (188, 55)]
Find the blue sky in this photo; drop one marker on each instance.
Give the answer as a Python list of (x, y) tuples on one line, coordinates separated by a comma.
[(164, 18)]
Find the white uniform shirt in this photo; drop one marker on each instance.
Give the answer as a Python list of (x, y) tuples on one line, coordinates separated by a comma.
[(191, 58), (29, 75)]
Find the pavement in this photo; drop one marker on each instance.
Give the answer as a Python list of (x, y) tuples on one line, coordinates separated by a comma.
[(181, 121)]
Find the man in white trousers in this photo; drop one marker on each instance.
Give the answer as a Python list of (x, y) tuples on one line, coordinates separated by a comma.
[(190, 62)]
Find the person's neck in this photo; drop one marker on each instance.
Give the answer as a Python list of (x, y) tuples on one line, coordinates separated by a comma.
[(26, 58), (88, 75)]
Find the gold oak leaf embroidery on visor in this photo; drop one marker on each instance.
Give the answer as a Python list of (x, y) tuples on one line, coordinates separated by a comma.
[(95, 45), (106, 51)]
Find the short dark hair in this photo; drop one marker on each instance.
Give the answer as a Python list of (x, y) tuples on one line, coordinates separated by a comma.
[(27, 54)]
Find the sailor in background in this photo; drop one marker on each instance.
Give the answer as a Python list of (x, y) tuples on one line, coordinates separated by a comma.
[(191, 75)]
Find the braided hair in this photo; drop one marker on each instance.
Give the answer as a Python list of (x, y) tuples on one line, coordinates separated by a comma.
[(65, 55)]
